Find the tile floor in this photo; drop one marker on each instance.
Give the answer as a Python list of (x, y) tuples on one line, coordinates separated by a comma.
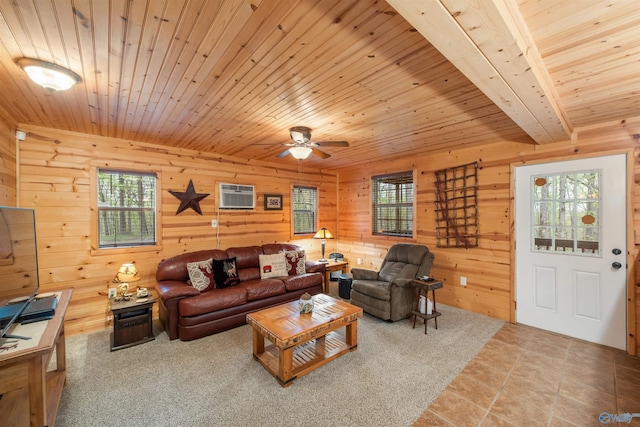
[(528, 377)]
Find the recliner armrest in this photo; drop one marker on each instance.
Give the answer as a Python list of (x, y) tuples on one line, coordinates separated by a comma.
[(363, 274), (403, 283)]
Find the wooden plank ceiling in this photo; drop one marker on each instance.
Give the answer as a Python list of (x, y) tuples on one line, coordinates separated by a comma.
[(232, 77)]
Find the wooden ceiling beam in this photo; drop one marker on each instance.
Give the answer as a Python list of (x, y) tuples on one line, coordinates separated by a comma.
[(490, 44)]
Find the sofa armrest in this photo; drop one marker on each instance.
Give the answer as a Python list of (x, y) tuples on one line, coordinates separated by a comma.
[(171, 289), (363, 274), (171, 292), (314, 267)]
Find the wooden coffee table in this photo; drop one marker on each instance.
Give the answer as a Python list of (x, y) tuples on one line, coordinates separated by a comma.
[(303, 342)]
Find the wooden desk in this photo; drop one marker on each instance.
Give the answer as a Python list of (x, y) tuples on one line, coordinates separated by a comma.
[(330, 267), (30, 394)]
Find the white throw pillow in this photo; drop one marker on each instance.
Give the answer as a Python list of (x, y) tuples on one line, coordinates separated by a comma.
[(273, 265)]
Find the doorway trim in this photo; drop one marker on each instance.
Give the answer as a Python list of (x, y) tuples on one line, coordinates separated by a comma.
[(631, 297)]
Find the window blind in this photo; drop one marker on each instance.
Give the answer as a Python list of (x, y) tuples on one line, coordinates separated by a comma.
[(305, 206), (392, 204)]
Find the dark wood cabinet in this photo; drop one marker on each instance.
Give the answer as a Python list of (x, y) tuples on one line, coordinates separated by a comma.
[(132, 323)]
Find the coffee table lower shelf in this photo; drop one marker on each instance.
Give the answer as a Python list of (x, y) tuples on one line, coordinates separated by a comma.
[(302, 359)]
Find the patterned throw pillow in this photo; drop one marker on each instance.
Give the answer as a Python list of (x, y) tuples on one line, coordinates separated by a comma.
[(225, 273), (201, 275), (273, 265), (295, 262)]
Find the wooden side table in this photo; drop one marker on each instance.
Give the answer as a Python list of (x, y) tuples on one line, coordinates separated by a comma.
[(331, 267), (132, 322), (424, 286)]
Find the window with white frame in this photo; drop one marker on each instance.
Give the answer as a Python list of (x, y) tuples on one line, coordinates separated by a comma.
[(126, 208)]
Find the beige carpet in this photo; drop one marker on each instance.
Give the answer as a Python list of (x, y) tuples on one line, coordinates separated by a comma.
[(388, 381)]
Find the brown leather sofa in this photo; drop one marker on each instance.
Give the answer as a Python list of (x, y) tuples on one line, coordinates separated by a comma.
[(188, 314)]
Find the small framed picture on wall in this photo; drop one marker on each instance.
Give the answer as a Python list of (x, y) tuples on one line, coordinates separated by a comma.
[(273, 202)]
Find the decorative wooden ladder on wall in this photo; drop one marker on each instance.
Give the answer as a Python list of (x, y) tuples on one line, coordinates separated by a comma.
[(457, 206)]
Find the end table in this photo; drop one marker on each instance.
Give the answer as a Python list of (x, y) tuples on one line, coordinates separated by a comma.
[(132, 322), (426, 286), (331, 267)]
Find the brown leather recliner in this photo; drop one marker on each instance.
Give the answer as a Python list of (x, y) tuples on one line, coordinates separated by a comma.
[(389, 293)]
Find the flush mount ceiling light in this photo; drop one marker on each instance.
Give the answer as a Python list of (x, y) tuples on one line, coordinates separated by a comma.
[(50, 76), (300, 153)]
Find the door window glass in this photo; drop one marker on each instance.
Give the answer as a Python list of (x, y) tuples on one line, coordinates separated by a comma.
[(565, 210)]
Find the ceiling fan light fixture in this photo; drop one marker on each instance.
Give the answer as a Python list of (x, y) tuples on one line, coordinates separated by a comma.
[(48, 75), (300, 153), (300, 134)]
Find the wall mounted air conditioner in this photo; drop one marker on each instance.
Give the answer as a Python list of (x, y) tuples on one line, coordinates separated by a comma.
[(233, 196)]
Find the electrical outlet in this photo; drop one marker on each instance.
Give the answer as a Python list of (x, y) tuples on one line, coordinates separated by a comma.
[(112, 292), (463, 280), (359, 261), (214, 223)]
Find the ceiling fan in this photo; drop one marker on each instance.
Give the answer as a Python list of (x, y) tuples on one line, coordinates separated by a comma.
[(302, 146)]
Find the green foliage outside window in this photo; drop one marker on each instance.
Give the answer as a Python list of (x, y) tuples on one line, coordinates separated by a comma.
[(305, 209), (126, 209), (566, 212), (392, 204)]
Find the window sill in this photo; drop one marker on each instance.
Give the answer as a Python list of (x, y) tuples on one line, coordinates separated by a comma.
[(125, 250)]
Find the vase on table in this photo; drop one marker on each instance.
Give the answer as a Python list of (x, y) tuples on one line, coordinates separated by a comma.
[(305, 304)]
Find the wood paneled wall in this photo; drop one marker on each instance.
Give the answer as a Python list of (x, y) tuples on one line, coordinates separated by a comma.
[(488, 268), (7, 160), (55, 179), (55, 168)]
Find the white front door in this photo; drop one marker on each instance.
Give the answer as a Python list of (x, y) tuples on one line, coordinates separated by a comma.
[(570, 221)]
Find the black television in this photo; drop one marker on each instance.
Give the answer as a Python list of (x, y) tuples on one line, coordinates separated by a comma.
[(19, 280)]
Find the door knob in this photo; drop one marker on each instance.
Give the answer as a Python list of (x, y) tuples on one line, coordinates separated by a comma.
[(616, 251), (616, 265)]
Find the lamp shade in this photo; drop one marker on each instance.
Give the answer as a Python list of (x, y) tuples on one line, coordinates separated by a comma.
[(126, 274), (323, 233), (300, 153), (48, 75)]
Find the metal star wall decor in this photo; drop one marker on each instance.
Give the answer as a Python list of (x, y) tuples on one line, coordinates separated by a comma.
[(189, 198)]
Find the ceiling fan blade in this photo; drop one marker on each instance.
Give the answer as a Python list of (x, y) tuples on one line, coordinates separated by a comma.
[(330, 143), (284, 153), (320, 153)]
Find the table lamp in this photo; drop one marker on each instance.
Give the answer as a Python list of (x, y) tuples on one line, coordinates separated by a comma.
[(125, 275), (323, 234)]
